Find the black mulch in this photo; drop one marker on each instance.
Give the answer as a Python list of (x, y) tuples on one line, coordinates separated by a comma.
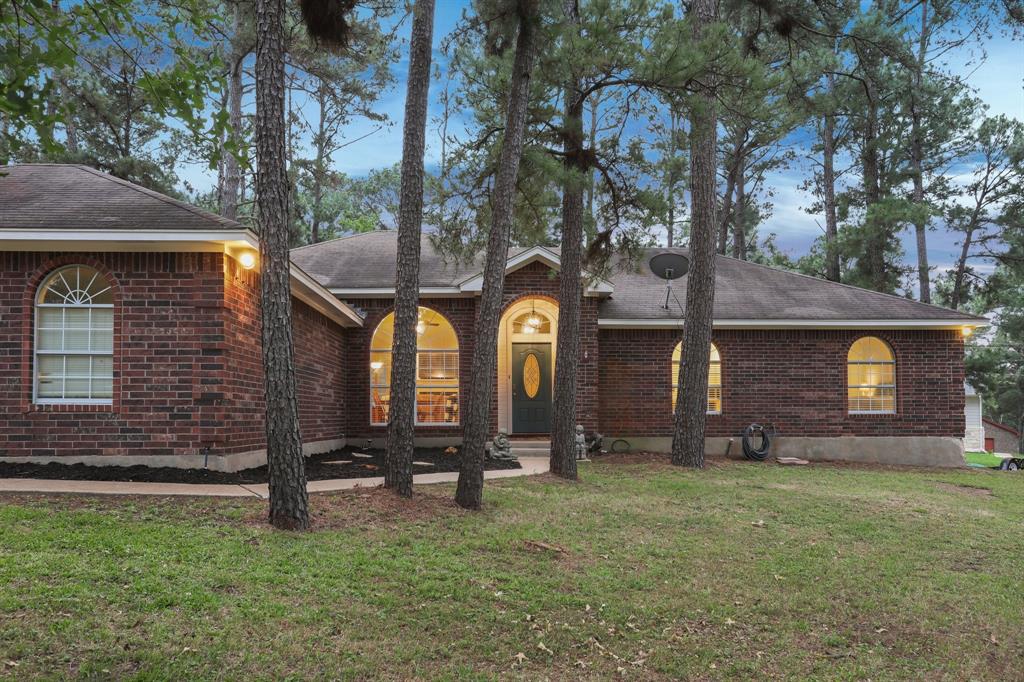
[(318, 468)]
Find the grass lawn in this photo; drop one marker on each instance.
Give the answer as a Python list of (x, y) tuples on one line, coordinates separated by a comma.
[(641, 570), (985, 459)]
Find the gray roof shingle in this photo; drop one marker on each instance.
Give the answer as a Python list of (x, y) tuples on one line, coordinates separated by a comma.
[(70, 197), (367, 261), (743, 290), (56, 196), (749, 291)]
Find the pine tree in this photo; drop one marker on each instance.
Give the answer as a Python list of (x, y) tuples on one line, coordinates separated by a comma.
[(402, 408), (469, 492), (289, 502), (691, 405)]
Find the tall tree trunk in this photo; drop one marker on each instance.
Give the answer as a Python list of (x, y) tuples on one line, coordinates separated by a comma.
[(402, 410), (874, 252), (319, 168), (957, 295), (726, 215), (470, 489), (736, 158), (739, 226), (570, 290), (70, 127), (917, 161), (65, 98), (960, 271), (289, 503), (670, 198), (828, 194), (692, 403), (591, 222), (232, 179)]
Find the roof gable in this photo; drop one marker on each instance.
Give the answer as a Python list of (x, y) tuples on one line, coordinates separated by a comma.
[(535, 254)]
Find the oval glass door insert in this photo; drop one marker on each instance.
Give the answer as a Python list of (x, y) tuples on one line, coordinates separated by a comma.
[(531, 376)]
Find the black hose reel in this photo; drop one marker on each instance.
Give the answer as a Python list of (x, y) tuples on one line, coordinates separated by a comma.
[(766, 432)]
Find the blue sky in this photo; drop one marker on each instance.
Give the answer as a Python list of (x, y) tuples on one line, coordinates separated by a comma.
[(999, 82)]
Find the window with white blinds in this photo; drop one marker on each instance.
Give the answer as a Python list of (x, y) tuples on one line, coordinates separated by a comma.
[(74, 338), (714, 378)]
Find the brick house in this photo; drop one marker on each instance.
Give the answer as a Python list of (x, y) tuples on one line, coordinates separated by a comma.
[(129, 332)]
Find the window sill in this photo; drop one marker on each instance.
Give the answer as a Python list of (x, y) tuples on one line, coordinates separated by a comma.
[(429, 425), (71, 407)]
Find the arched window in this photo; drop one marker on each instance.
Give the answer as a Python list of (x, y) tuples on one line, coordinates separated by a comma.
[(871, 377), (714, 378), (437, 370), (74, 340), (531, 322)]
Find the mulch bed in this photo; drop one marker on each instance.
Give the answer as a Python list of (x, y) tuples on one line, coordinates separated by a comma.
[(344, 463)]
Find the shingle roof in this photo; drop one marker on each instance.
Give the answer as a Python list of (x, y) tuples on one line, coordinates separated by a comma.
[(749, 291), (367, 261), (743, 290), (69, 197)]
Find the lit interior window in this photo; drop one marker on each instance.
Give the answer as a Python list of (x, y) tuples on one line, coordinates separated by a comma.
[(531, 322), (714, 378), (871, 377), (437, 370)]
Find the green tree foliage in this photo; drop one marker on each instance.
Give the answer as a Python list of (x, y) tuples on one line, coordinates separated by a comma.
[(995, 363), (41, 42), (346, 204)]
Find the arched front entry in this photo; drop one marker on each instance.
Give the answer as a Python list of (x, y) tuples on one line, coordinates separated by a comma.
[(526, 365)]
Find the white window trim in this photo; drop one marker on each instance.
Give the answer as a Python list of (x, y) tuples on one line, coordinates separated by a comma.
[(37, 352), (417, 422), (892, 385)]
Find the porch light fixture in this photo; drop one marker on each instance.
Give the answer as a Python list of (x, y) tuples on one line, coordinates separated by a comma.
[(966, 331), (421, 327), (533, 323), (376, 364), (247, 259)]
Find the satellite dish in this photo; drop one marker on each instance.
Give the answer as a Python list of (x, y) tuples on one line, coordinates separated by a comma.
[(669, 266)]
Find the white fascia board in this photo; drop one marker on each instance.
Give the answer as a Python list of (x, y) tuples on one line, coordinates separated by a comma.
[(677, 323), (389, 292), (311, 292), (125, 240)]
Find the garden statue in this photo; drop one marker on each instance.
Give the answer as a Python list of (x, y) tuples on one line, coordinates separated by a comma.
[(581, 443), (501, 448)]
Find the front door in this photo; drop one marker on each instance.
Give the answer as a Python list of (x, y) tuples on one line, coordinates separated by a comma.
[(531, 387)]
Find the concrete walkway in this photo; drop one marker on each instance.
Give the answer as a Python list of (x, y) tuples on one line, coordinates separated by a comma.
[(530, 467)]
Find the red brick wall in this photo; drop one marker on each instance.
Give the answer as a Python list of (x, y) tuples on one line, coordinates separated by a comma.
[(535, 279), (187, 362), (321, 374), (320, 369), (460, 312), (793, 378), (166, 314)]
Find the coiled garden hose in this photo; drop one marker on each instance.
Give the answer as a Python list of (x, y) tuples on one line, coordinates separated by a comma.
[(749, 451)]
